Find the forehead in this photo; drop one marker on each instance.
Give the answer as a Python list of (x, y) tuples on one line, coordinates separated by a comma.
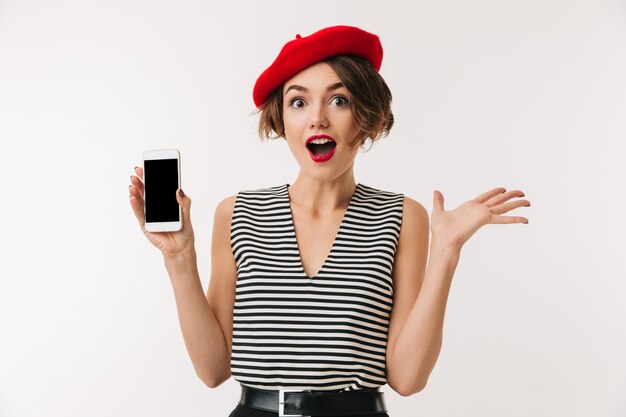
[(318, 75)]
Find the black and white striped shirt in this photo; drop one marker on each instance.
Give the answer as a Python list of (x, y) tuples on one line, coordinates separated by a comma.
[(328, 332)]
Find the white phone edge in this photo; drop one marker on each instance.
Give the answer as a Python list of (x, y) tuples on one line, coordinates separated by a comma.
[(153, 154)]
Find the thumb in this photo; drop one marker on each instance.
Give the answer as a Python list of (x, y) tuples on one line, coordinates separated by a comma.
[(437, 201), (185, 205)]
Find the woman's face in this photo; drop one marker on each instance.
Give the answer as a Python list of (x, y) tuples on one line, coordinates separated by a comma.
[(315, 102)]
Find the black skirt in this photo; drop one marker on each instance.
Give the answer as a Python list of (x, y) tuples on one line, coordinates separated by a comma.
[(243, 411)]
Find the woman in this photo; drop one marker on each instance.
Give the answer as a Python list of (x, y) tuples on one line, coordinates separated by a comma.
[(319, 292)]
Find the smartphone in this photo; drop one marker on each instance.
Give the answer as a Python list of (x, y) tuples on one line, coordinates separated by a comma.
[(161, 180)]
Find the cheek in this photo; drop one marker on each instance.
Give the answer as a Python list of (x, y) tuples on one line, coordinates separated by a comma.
[(348, 124), (290, 122)]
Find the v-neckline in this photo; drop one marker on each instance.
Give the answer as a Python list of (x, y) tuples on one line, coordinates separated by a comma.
[(332, 247)]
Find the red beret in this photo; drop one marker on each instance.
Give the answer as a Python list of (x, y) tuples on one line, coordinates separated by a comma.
[(303, 52)]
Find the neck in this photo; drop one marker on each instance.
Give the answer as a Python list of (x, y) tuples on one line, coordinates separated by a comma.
[(321, 197)]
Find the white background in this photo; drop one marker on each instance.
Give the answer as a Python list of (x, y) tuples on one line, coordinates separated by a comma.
[(527, 95)]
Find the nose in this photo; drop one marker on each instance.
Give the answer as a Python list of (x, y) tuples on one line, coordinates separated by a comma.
[(318, 117)]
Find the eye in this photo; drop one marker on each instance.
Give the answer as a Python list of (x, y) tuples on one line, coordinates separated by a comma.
[(340, 101), (297, 103)]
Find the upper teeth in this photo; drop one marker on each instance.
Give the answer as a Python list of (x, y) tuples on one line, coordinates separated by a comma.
[(320, 141)]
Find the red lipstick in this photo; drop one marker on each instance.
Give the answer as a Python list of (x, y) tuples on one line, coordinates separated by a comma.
[(321, 158)]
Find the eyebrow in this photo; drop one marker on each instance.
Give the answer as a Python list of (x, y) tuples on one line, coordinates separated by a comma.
[(304, 89)]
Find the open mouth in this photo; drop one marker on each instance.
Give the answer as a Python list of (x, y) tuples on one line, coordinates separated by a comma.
[(321, 146)]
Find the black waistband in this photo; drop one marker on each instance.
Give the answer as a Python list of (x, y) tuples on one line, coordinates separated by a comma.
[(315, 403)]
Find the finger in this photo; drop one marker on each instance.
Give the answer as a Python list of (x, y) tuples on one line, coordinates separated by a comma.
[(135, 181), (185, 205), (133, 190), (437, 201), (137, 205), (489, 194), (508, 219), (139, 172), (505, 207), (497, 199)]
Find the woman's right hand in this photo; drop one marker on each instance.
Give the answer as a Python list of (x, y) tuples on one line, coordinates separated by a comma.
[(169, 243)]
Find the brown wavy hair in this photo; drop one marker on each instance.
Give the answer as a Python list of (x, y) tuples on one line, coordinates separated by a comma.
[(370, 103)]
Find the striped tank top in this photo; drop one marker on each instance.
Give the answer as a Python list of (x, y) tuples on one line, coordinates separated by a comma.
[(324, 333)]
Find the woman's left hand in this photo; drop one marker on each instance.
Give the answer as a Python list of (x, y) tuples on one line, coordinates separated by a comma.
[(455, 227)]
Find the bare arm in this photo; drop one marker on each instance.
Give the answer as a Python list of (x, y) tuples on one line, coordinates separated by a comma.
[(206, 321), (416, 327), (419, 343), (420, 298)]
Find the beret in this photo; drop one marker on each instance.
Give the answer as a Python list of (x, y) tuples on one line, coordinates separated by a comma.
[(303, 52)]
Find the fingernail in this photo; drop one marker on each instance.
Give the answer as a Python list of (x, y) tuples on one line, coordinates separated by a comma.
[(182, 193), (527, 205)]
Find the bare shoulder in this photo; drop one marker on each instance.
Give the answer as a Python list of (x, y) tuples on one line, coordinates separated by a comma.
[(221, 249), (415, 218), (414, 232), (224, 209), (222, 260), (221, 291), (408, 275)]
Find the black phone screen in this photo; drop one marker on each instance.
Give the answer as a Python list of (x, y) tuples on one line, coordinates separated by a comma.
[(160, 185)]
